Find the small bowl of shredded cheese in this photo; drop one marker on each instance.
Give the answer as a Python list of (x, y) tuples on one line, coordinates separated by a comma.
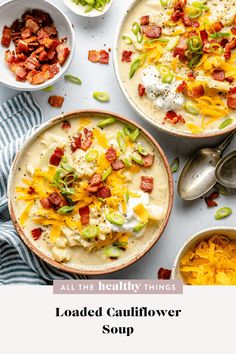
[(208, 258)]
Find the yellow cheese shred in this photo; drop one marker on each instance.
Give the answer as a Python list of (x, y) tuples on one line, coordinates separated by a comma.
[(24, 216)]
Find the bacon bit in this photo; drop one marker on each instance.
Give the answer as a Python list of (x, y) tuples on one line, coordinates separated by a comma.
[(180, 49), (31, 25), (76, 143), (148, 160), (31, 190), (36, 233), (117, 165), (66, 125), (104, 192), (56, 157), (94, 56), (174, 118), (229, 79), (56, 200), (6, 37), (144, 20), (31, 63), (141, 90), (231, 98), (178, 11), (233, 30), (147, 184), (218, 75), (45, 202), (164, 274), (197, 91), (111, 154), (21, 57), (210, 201), (62, 53), (152, 31), (204, 36), (22, 46), (191, 76), (229, 47), (20, 72), (183, 87), (95, 179), (126, 56), (187, 21), (86, 142), (56, 101), (216, 27), (104, 57), (224, 42), (84, 215)]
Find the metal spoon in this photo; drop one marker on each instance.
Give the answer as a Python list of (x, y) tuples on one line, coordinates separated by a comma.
[(198, 174), (226, 170)]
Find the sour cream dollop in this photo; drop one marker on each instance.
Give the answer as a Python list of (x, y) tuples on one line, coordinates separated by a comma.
[(163, 95)]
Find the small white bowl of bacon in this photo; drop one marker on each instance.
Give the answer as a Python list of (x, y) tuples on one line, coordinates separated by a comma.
[(37, 47)]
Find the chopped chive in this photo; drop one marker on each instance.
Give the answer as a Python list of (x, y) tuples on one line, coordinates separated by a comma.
[(226, 123), (101, 96), (73, 79), (223, 213), (174, 166)]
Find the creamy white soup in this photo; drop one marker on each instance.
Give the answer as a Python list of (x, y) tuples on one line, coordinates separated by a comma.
[(177, 63), (91, 191)]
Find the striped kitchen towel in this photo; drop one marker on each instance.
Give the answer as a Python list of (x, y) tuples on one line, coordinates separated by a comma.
[(19, 118)]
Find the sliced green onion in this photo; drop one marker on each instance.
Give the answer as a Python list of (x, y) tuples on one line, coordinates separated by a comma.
[(127, 162), (120, 244), (136, 29), (108, 121), (48, 89), (91, 156), (115, 218), (89, 5), (194, 44), (139, 227), (163, 69), (191, 108), (127, 130), (226, 123), (134, 136), (194, 61), (66, 209), (164, 2), (167, 79), (90, 232), (220, 35), (112, 252), (163, 40), (121, 141), (127, 196), (134, 67), (223, 213), (137, 159), (101, 96), (106, 173), (128, 40), (195, 12), (142, 150), (73, 79), (174, 166), (172, 43)]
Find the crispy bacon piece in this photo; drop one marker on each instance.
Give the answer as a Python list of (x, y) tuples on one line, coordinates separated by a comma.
[(174, 118), (104, 57), (31, 190), (148, 160), (56, 200), (21, 57), (216, 26), (94, 56), (22, 46), (36, 233), (31, 63), (62, 53), (141, 90), (84, 215), (152, 31), (66, 125), (20, 72), (56, 101), (229, 79), (233, 30), (231, 98), (45, 202), (187, 21), (178, 11), (224, 42), (31, 25), (197, 91), (56, 157), (229, 47), (126, 56), (95, 179), (210, 200), (111, 154), (183, 87), (147, 184), (76, 143), (204, 36), (10, 57), (6, 37), (117, 165), (164, 274), (218, 75), (181, 49), (104, 192), (191, 76), (144, 20), (86, 141)]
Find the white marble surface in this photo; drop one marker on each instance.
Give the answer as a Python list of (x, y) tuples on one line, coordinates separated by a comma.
[(187, 218)]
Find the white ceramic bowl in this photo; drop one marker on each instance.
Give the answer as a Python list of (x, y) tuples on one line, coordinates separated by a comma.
[(229, 232), (9, 12), (79, 9)]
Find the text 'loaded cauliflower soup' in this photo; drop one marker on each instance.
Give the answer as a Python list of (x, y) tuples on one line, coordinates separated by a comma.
[(91, 192), (177, 63)]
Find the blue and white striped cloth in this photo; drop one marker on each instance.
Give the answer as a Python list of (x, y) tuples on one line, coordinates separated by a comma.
[(19, 118)]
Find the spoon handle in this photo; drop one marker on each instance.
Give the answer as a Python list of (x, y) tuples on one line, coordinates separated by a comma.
[(226, 142)]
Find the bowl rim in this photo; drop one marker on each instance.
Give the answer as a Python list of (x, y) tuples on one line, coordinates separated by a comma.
[(88, 15), (34, 136), (63, 69), (135, 107), (193, 239)]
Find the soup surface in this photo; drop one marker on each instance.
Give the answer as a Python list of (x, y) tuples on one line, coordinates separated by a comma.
[(91, 192), (177, 63)]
